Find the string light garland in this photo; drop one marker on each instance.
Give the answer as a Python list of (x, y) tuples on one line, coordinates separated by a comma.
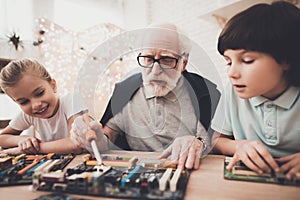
[(65, 52)]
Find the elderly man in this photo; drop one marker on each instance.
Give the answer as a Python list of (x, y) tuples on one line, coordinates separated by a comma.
[(164, 108)]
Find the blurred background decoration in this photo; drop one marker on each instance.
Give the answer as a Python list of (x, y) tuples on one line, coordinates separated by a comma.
[(62, 33)]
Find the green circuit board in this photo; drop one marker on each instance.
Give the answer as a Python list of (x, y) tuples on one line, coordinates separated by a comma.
[(241, 172)]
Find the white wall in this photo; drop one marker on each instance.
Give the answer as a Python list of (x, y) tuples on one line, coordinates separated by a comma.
[(75, 16), (188, 16)]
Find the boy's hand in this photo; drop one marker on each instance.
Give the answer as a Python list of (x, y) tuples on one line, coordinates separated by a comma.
[(29, 144), (290, 165), (254, 155)]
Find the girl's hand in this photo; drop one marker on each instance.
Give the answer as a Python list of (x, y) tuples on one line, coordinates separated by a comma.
[(254, 155), (29, 144), (12, 151), (290, 165)]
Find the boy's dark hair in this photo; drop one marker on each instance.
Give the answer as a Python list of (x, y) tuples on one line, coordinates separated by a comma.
[(273, 29)]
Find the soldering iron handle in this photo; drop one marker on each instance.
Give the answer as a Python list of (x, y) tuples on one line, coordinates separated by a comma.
[(90, 135)]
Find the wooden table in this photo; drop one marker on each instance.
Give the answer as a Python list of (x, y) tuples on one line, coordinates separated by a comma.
[(205, 183)]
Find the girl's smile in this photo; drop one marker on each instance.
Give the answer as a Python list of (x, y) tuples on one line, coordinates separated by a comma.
[(35, 96)]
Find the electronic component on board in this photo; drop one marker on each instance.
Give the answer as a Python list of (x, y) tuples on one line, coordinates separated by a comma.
[(131, 175), (5, 162), (164, 179), (49, 167), (145, 179), (32, 170), (57, 176), (19, 157), (174, 180), (41, 167), (8, 171), (113, 160), (241, 172), (158, 164), (23, 168), (29, 166), (63, 161)]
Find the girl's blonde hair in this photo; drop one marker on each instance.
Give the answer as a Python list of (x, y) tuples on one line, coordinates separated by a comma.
[(13, 72)]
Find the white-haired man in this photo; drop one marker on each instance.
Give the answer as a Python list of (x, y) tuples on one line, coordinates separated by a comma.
[(164, 108)]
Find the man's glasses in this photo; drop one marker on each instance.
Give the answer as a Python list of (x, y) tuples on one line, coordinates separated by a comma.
[(165, 62)]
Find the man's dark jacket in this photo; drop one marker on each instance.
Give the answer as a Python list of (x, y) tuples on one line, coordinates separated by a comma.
[(203, 93)]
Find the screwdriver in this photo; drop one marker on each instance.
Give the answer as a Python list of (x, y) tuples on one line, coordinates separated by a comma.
[(91, 138)]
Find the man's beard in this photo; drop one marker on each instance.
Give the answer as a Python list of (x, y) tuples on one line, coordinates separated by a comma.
[(159, 90)]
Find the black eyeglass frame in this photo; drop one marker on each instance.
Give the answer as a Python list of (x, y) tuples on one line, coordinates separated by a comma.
[(158, 61)]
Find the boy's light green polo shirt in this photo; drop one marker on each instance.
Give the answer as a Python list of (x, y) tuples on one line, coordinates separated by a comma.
[(276, 123)]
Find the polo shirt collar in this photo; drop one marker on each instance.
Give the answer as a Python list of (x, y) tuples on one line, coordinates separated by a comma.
[(286, 100), (171, 96)]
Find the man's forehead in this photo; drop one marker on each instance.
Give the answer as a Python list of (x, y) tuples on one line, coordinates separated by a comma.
[(162, 39), (158, 51)]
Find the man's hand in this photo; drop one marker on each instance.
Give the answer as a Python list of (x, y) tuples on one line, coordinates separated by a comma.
[(254, 155), (290, 165), (77, 132), (185, 151), (83, 131), (29, 144)]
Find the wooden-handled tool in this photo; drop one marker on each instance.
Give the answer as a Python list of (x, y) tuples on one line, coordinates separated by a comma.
[(91, 138)]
